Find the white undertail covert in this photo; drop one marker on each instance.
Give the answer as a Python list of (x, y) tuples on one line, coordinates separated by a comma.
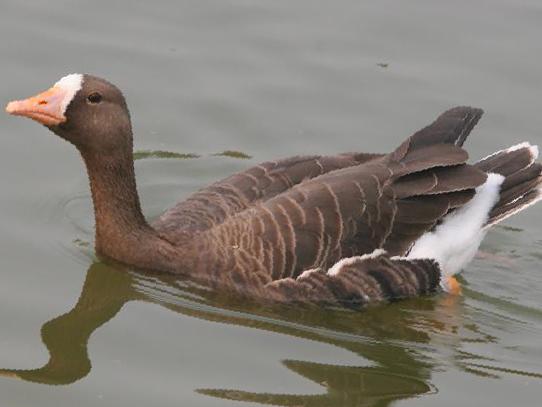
[(455, 241)]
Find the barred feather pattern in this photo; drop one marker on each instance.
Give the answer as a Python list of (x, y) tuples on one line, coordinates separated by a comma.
[(360, 281), (210, 206)]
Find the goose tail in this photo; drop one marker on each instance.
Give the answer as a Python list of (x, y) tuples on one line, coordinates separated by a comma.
[(522, 184), (514, 182)]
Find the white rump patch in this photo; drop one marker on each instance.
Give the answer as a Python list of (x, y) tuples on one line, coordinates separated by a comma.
[(347, 261), (455, 241), (71, 84)]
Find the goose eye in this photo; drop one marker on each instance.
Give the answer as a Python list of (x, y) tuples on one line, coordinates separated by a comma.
[(94, 98)]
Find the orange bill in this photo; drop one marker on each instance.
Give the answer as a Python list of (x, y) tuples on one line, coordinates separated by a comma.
[(46, 108)]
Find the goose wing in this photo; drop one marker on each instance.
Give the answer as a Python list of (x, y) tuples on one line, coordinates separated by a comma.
[(387, 202), (210, 206)]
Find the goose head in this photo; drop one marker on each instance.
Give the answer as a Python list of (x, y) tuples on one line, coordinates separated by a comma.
[(85, 110)]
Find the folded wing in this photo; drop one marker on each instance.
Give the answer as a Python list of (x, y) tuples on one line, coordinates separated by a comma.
[(387, 202)]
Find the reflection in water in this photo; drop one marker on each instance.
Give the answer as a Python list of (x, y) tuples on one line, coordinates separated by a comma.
[(403, 329), (146, 154), (346, 386)]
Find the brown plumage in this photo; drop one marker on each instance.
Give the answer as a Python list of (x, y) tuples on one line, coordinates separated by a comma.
[(274, 230)]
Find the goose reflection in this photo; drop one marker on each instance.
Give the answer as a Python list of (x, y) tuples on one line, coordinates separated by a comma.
[(401, 370)]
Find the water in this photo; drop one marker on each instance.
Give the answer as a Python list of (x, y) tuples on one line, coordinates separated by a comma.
[(268, 79)]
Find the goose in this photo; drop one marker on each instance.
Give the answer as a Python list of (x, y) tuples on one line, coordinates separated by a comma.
[(342, 230)]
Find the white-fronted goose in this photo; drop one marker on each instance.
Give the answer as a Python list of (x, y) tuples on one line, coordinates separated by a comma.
[(341, 230)]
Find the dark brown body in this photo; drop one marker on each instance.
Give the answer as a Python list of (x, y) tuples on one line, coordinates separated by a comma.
[(274, 230), (258, 231)]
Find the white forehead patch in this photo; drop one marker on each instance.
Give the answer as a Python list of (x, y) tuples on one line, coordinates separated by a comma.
[(71, 84)]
